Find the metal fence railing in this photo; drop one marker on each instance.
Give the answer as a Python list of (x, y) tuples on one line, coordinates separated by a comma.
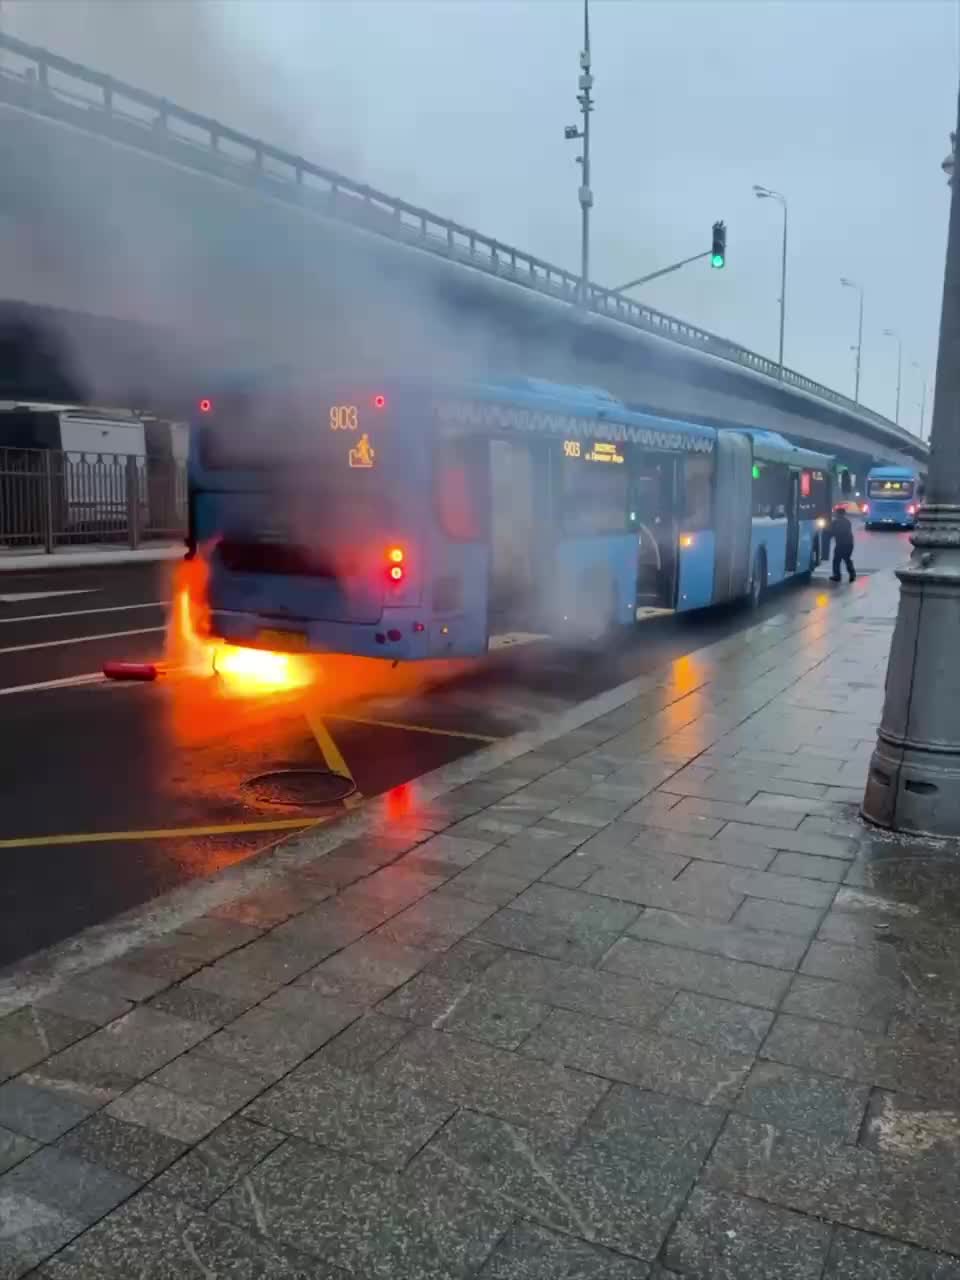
[(51, 499), (36, 80)]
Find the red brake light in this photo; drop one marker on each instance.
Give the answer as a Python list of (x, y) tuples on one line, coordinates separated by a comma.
[(379, 402), (206, 405)]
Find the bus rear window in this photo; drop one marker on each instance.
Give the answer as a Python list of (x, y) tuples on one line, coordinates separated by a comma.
[(889, 488)]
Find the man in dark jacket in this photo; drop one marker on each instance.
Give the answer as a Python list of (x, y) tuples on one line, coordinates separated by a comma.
[(841, 531)]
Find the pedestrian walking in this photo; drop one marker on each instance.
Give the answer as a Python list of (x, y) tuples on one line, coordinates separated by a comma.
[(841, 533)]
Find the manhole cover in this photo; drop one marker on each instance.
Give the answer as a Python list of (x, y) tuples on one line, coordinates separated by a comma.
[(300, 787)]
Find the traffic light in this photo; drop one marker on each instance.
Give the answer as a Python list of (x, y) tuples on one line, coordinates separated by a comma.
[(718, 254)]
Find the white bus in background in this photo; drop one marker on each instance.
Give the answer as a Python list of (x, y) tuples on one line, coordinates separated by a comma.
[(89, 448)]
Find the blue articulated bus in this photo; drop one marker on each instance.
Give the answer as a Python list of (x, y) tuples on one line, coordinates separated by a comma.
[(893, 497), (414, 521)]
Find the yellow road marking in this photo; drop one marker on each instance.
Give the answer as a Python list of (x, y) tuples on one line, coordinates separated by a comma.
[(414, 728), (162, 833), (332, 755)]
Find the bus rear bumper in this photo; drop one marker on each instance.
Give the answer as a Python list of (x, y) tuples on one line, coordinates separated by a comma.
[(400, 634)]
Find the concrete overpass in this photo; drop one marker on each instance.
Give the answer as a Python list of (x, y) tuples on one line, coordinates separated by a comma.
[(144, 246)]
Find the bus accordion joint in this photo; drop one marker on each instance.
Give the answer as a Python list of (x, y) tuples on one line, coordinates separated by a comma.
[(686, 539)]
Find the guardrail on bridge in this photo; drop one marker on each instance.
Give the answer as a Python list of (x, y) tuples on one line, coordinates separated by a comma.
[(52, 499)]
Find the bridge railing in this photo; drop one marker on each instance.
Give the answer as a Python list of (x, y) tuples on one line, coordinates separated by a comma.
[(50, 499), (49, 84)]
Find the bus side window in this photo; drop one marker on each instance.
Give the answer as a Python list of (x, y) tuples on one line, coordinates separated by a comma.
[(460, 488), (771, 489), (698, 492)]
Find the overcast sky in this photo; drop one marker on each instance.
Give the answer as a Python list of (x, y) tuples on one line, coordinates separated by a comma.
[(460, 105)]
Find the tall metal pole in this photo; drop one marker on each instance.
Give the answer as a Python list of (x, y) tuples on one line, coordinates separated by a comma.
[(856, 387), (914, 779), (892, 333), (585, 194), (783, 283), (766, 193), (852, 284), (915, 364)]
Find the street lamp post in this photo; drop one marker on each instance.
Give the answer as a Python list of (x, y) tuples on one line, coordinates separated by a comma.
[(923, 396), (585, 193), (852, 284), (914, 779), (764, 193), (892, 333)]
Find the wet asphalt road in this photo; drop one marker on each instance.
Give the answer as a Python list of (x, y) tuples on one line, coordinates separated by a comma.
[(153, 767)]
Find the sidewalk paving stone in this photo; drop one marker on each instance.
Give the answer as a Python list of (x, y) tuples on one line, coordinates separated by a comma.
[(720, 1024), (592, 991), (374, 1223), (757, 946), (590, 1191), (29, 1035), (868, 1008), (778, 917), (534, 1253), (791, 1099), (76, 1188), (471, 1074), (213, 1166), (154, 1238), (31, 1232), (126, 1148), (697, 971), (355, 1114), (578, 942), (725, 1237), (913, 1200), (38, 1113), (166, 1112), (854, 1255), (646, 1058), (14, 1147)]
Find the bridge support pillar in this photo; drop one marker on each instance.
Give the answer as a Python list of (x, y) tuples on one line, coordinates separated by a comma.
[(914, 779)]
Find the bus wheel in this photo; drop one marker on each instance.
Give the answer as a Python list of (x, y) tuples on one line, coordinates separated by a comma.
[(758, 580)]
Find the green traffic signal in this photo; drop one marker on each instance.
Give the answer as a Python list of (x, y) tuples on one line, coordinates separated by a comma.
[(718, 255), (717, 260)]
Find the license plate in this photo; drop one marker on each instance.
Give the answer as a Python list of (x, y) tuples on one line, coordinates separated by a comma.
[(283, 641)]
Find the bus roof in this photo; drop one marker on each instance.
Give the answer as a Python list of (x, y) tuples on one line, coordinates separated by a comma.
[(769, 446), (893, 473), (554, 398)]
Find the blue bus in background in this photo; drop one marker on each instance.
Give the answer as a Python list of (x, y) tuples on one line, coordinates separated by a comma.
[(893, 497), (415, 521)]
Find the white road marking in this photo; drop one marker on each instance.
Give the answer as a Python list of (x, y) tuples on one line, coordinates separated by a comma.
[(15, 597), (83, 613), (95, 677), (105, 635)]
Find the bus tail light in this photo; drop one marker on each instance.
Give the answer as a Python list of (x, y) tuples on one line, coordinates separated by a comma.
[(866, 508), (686, 539), (395, 567), (911, 510)]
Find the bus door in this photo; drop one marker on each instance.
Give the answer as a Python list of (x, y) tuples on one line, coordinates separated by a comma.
[(793, 522), (460, 562), (652, 516), (519, 560)]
